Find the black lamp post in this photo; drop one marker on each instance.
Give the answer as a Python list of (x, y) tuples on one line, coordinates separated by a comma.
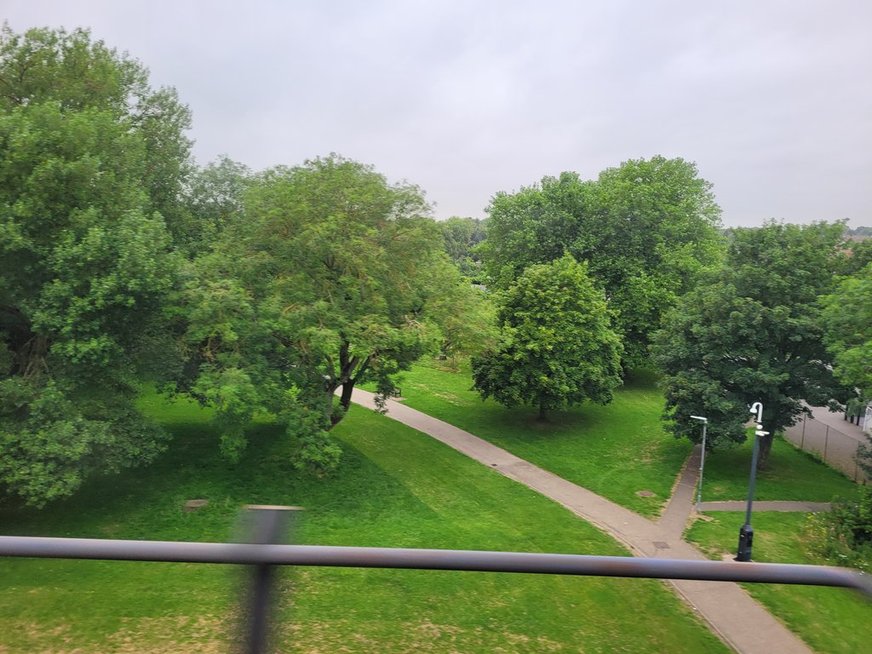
[(746, 532)]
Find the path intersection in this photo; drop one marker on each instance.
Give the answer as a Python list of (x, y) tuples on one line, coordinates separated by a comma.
[(739, 620)]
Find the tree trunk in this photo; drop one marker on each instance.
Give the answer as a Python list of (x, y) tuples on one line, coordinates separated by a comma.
[(345, 397), (541, 410)]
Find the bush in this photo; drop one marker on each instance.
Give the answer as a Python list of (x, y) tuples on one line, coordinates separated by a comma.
[(844, 535), (864, 456)]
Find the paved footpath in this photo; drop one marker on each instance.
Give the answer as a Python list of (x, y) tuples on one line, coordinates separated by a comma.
[(803, 507), (738, 619)]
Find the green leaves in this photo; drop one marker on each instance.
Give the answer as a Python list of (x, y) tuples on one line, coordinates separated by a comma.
[(85, 263), (646, 228), (752, 332), (847, 317), (556, 346), (334, 278)]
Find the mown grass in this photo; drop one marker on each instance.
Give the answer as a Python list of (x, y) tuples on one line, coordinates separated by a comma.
[(395, 488), (790, 474), (615, 450), (619, 449), (830, 620)]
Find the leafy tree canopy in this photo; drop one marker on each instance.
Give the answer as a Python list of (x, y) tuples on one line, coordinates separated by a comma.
[(847, 319), (752, 332), (213, 197), (85, 257), (646, 228), (335, 277), (556, 346), (462, 236)]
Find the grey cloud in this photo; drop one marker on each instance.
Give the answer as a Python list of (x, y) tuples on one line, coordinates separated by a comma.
[(772, 99)]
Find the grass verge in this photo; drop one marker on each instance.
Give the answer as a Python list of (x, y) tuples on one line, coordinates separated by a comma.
[(791, 474), (830, 620), (395, 488), (617, 450)]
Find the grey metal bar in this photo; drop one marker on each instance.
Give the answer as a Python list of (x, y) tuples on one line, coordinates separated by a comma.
[(428, 559), (266, 525)]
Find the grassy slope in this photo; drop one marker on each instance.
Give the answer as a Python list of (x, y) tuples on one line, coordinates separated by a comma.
[(395, 488), (791, 475), (614, 450), (830, 620), (618, 449)]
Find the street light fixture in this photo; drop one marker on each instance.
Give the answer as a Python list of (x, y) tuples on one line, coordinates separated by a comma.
[(746, 532), (704, 422)]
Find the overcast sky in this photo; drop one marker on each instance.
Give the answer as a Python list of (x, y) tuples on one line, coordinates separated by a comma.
[(772, 100)]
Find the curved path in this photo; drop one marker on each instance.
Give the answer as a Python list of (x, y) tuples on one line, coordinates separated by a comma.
[(738, 619)]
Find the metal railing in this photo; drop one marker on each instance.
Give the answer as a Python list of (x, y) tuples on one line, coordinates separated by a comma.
[(263, 556)]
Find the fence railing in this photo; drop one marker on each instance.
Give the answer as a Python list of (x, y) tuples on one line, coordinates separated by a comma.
[(263, 557), (837, 449)]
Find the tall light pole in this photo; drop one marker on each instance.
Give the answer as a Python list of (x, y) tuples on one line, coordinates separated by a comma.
[(704, 422), (746, 532)]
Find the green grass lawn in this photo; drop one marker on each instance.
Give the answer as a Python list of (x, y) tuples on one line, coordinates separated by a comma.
[(830, 620), (791, 474), (618, 449), (615, 450), (395, 488)]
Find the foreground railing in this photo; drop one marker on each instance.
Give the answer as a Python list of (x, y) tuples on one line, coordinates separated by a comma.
[(264, 556), (423, 559)]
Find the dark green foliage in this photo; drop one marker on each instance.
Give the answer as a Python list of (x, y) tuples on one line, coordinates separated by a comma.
[(462, 236), (864, 456), (752, 332), (859, 255), (556, 346), (860, 231), (646, 229), (213, 199), (843, 536), (85, 260)]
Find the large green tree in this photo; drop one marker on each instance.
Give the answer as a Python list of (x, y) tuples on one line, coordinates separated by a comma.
[(335, 277), (646, 228), (753, 332), (848, 320), (556, 346), (85, 258)]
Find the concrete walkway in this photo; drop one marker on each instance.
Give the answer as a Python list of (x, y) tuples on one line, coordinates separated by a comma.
[(732, 614), (803, 507)]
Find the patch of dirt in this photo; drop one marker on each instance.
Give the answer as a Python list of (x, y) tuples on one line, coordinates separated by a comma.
[(176, 634), (448, 397)]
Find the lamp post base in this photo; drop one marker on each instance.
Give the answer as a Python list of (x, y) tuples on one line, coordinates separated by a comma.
[(746, 541)]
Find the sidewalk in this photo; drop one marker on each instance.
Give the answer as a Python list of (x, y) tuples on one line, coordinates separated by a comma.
[(740, 621), (836, 420), (738, 505)]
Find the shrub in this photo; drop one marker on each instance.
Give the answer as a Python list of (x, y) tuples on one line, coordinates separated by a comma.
[(844, 535)]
